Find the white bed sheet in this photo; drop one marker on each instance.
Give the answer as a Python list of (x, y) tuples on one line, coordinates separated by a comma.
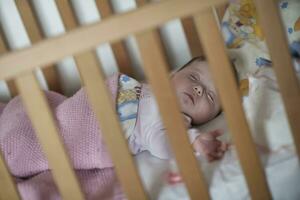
[(225, 179)]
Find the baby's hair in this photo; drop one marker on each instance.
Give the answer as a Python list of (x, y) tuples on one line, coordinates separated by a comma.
[(198, 58), (203, 58)]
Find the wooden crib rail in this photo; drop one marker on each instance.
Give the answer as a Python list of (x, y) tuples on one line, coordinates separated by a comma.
[(223, 76), (192, 37), (7, 185), (71, 22), (9, 190), (16, 62), (4, 49), (93, 78), (191, 32), (43, 122), (143, 23), (35, 34), (112, 133), (119, 47), (158, 77), (133, 193), (283, 66), (141, 3)]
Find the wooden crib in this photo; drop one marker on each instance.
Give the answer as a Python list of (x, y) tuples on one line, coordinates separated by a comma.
[(199, 21)]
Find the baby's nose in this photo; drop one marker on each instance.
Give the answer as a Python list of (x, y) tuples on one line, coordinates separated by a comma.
[(198, 90)]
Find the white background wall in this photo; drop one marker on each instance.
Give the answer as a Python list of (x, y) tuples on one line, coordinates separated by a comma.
[(173, 38)]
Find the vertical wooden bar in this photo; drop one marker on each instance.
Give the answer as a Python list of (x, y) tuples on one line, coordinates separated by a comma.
[(192, 37), (158, 76), (8, 189), (221, 9), (67, 14), (112, 133), (43, 122), (119, 48), (35, 34), (159, 37), (223, 76), (10, 83), (7, 185), (283, 66), (140, 3), (70, 22), (92, 76)]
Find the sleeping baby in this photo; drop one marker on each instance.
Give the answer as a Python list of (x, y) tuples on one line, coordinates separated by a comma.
[(138, 114), (199, 103)]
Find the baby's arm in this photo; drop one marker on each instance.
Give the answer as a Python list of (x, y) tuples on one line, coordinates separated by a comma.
[(205, 144), (158, 145)]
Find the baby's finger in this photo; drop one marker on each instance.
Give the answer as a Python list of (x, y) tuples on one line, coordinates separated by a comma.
[(212, 146), (216, 154), (210, 158), (224, 146), (216, 133)]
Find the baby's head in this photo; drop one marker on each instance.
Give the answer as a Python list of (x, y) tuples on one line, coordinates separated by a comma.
[(195, 90)]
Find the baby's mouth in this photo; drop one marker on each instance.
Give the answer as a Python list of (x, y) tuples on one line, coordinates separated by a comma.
[(190, 97)]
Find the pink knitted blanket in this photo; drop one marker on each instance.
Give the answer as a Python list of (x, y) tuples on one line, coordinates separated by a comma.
[(82, 138)]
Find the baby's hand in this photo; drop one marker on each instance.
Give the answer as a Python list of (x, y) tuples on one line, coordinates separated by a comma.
[(208, 145)]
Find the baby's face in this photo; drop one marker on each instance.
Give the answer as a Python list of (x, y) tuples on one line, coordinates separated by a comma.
[(196, 92)]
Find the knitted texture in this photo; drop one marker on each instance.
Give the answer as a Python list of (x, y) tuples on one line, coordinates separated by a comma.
[(81, 135), (96, 184)]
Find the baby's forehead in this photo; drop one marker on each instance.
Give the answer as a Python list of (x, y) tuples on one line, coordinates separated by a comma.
[(200, 68), (196, 66)]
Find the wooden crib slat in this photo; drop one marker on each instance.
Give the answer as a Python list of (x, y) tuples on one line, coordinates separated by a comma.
[(93, 78), (70, 21), (156, 69), (90, 36), (192, 37), (140, 3), (10, 83), (42, 120), (35, 34), (112, 133), (191, 32), (223, 76), (220, 10), (283, 66), (8, 189), (152, 42), (119, 48), (67, 14)]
